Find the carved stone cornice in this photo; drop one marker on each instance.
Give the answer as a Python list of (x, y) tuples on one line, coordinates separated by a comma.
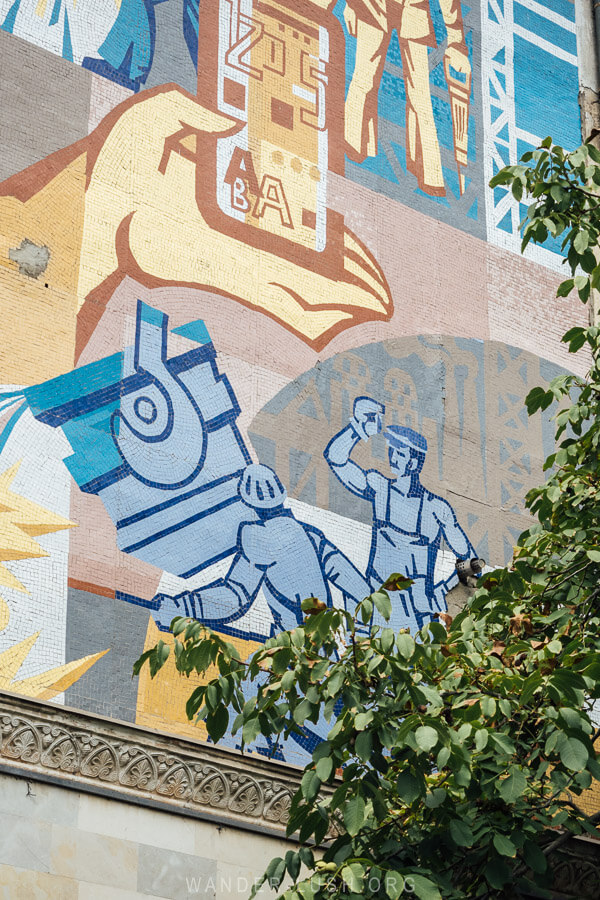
[(79, 750), (85, 752), (576, 868)]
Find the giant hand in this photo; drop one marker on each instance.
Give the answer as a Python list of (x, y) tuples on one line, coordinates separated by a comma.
[(141, 216), (367, 418)]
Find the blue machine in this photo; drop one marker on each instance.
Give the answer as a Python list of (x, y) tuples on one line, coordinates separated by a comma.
[(156, 439)]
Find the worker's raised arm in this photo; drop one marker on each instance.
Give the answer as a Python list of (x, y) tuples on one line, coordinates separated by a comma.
[(365, 422)]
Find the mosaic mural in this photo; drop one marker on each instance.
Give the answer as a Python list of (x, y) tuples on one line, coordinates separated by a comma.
[(266, 333)]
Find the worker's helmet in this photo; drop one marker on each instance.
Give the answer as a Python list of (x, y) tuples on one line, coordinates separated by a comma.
[(260, 487), (402, 436)]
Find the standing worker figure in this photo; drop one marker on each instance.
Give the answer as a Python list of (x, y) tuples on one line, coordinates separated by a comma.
[(371, 22), (409, 521)]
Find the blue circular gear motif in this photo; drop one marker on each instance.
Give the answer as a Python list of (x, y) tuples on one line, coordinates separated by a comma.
[(145, 409)]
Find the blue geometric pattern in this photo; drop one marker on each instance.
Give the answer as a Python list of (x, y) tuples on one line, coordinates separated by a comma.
[(157, 440)]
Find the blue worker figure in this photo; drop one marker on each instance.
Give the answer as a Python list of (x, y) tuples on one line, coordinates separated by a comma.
[(409, 522), (289, 559)]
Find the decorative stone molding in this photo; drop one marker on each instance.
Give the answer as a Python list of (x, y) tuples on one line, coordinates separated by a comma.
[(83, 751), (79, 750), (576, 868)]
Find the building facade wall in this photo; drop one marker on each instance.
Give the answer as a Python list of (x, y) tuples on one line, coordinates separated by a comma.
[(261, 234), (59, 843), (92, 808)]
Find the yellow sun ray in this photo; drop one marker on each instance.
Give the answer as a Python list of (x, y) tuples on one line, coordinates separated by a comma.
[(4, 613), (12, 659), (21, 520), (55, 681)]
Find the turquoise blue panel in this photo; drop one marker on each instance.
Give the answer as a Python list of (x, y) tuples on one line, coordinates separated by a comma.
[(151, 315), (11, 15), (67, 50), (195, 331), (78, 383), (94, 452), (549, 31), (545, 92)]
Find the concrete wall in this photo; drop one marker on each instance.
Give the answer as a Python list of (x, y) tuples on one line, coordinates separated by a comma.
[(58, 843)]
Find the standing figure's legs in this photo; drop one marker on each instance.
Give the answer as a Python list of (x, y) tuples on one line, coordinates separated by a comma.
[(421, 600), (361, 100), (422, 146)]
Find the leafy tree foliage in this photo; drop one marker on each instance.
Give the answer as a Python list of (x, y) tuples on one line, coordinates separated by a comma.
[(456, 756)]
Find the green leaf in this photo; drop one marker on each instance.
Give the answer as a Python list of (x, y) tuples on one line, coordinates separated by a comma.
[(532, 683), (443, 757), (408, 787), (406, 645), (353, 875), (307, 889), (461, 833), (383, 604), (582, 241), (363, 746), (594, 555), (217, 722), (361, 720), (138, 664), (426, 737), (312, 605), (435, 798), (397, 582), (387, 639), (513, 786), (324, 768), (497, 873), (504, 845), (572, 718), (565, 287), (488, 706), (505, 707), (534, 858), (159, 657), (574, 755), (297, 636), (292, 863), (201, 656), (502, 742), (250, 730), (310, 785), (517, 190), (394, 885), (288, 681), (423, 887), (354, 815), (302, 711), (275, 871), (366, 610)]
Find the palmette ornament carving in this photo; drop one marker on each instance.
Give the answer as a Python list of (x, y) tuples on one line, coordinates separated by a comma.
[(576, 869), (85, 751)]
